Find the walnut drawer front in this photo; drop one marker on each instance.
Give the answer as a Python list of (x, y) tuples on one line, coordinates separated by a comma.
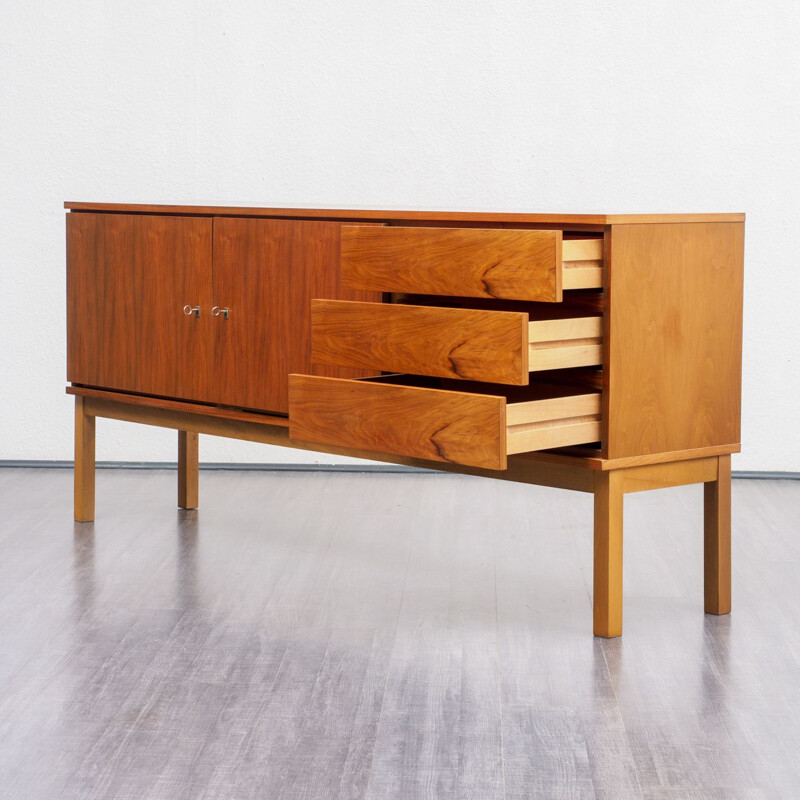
[(461, 343), (470, 262), (468, 428)]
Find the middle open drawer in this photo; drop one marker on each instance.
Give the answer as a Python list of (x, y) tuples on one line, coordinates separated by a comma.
[(464, 343)]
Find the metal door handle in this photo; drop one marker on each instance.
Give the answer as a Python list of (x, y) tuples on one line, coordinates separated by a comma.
[(220, 312), (189, 310)]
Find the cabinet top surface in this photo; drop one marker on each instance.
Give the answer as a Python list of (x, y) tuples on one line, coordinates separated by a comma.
[(403, 214)]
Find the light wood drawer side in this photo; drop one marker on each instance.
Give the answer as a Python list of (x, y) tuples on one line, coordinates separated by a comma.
[(563, 343)]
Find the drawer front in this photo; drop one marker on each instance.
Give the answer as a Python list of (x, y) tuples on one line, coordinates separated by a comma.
[(422, 340), (466, 428), (409, 421), (468, 262), (467, 344)]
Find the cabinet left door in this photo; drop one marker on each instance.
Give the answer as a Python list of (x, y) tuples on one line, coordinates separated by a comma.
[(130, 278)]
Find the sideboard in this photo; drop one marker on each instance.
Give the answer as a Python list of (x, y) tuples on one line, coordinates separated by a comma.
[(593, 352)]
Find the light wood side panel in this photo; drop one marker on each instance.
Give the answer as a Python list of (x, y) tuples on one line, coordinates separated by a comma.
[(423, 423), (421, 340), (467, 262), (674, 337)]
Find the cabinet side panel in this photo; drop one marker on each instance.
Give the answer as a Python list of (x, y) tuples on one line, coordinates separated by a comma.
[(674, 337)]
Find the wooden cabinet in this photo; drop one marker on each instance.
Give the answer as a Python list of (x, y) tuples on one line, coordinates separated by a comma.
[(597, 353)]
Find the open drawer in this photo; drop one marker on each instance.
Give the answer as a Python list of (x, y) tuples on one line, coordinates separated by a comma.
[(501, 263), (411, 417), (463, 343)]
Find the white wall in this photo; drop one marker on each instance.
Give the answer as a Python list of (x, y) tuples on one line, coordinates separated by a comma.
[(519, 105)]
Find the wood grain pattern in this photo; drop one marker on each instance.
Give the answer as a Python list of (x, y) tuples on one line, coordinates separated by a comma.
[(84, 463), (267, 272), (471, 262), (674, 337), (188, 469), (576, 220), (443, 342), (454, 427), (128, 278), (717, 540), (608, 503)]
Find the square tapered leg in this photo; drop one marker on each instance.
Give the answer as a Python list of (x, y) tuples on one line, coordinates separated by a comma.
[(717, 545), (608, 502), (188, 469), (84, 463)]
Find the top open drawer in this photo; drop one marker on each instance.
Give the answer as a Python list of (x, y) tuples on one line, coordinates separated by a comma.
[(470, 262)]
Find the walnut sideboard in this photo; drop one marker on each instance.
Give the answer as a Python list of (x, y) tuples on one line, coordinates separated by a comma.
[(599, 353)]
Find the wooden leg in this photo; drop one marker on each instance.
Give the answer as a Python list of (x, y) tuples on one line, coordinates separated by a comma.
[(608, 495), (188, 469), (84, 463), (717, 548)]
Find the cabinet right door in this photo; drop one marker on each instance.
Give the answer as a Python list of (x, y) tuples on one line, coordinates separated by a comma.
[(266, 272)]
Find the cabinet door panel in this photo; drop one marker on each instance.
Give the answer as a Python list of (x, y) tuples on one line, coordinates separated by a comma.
[(128, 279), (267, 271)]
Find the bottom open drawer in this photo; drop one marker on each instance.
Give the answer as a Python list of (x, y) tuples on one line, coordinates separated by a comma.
[(414, 417)]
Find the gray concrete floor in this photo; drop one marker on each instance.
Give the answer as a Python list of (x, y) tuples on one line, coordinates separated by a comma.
[(325, 635)]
